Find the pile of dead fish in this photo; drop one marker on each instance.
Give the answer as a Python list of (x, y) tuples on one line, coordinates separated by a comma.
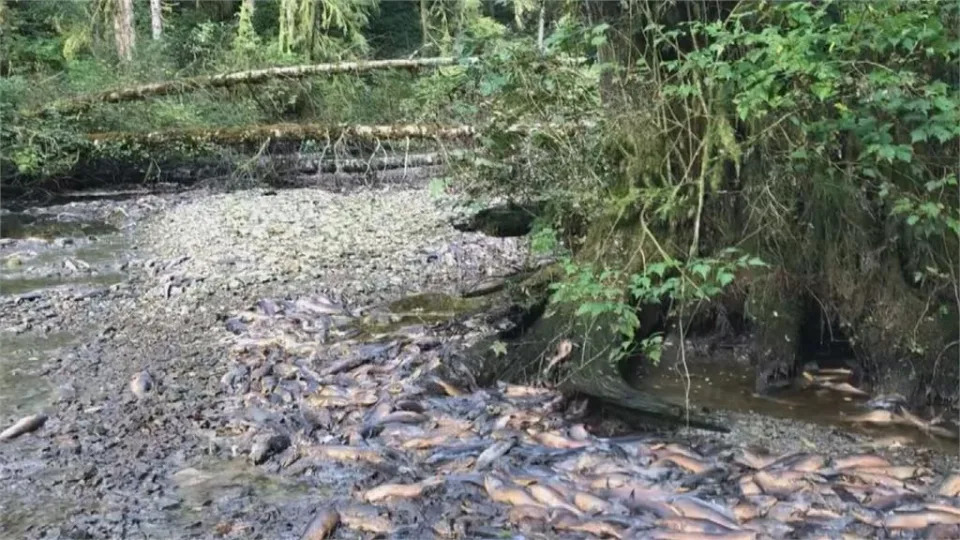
[(411, 448)]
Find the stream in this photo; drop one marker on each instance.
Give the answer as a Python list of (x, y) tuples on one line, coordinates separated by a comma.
[(252, 364)]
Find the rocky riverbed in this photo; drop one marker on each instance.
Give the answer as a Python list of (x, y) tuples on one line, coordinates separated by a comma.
[(266, 364)]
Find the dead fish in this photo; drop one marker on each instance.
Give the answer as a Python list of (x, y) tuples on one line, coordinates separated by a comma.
[(563, 351), (782, 483), (927, 426), (748, 487), (692, 507), (944, 508), (689, 463), (615, 480), (785, 512), (141, 384), (519, 514), (422, 443), (752, 460), (591, 504), (322, 525), (596, 528), (523, 391), (834, 371), (877, 479), (346, 453), (879, 417), (496, 451), (403, 417), (886, 501), (677, 535), (844, 388), (692, 525), (513, 496), (366, 519), (650, 500), (920, 520), (898, 472), (746, 511), (553, 440), (551, 498), (26, 424), (768, 528), (268, 446), (949, 488), (822, 514), (578, 432), (860, 461), (801, 461), (394, 491), (448, 388)]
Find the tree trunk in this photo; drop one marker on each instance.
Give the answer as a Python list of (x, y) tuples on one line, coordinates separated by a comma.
[(143, 91), (541, 25), (156, 20), (123, 29), (425, 23)]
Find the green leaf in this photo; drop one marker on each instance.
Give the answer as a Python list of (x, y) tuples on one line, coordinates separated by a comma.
[(724, 277), (700, 269), (657, 268), (499, 348)]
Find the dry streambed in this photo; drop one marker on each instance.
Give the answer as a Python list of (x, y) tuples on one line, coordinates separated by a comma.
[(212, 394)]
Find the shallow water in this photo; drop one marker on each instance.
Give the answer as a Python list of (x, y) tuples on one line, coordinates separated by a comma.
[(23, 389), (731, 388), (50, 226)]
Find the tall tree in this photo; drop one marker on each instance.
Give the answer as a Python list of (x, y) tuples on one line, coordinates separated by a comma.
[(123, 31), (156, 19)]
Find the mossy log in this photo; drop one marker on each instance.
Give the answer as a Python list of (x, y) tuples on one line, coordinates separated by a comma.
[(314, 163), (592, 370), (143, 91)]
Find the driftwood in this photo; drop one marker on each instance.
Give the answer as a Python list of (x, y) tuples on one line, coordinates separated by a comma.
[(255, 76)]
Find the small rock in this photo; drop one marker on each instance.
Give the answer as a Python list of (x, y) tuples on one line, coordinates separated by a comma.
[(268, 446), (141, 384)]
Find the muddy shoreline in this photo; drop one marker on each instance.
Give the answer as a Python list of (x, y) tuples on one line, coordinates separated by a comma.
[(243, 306)]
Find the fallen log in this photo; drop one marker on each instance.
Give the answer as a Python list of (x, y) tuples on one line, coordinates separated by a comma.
[(285, 132), (235, 135), (255, 76), (314, 163)]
